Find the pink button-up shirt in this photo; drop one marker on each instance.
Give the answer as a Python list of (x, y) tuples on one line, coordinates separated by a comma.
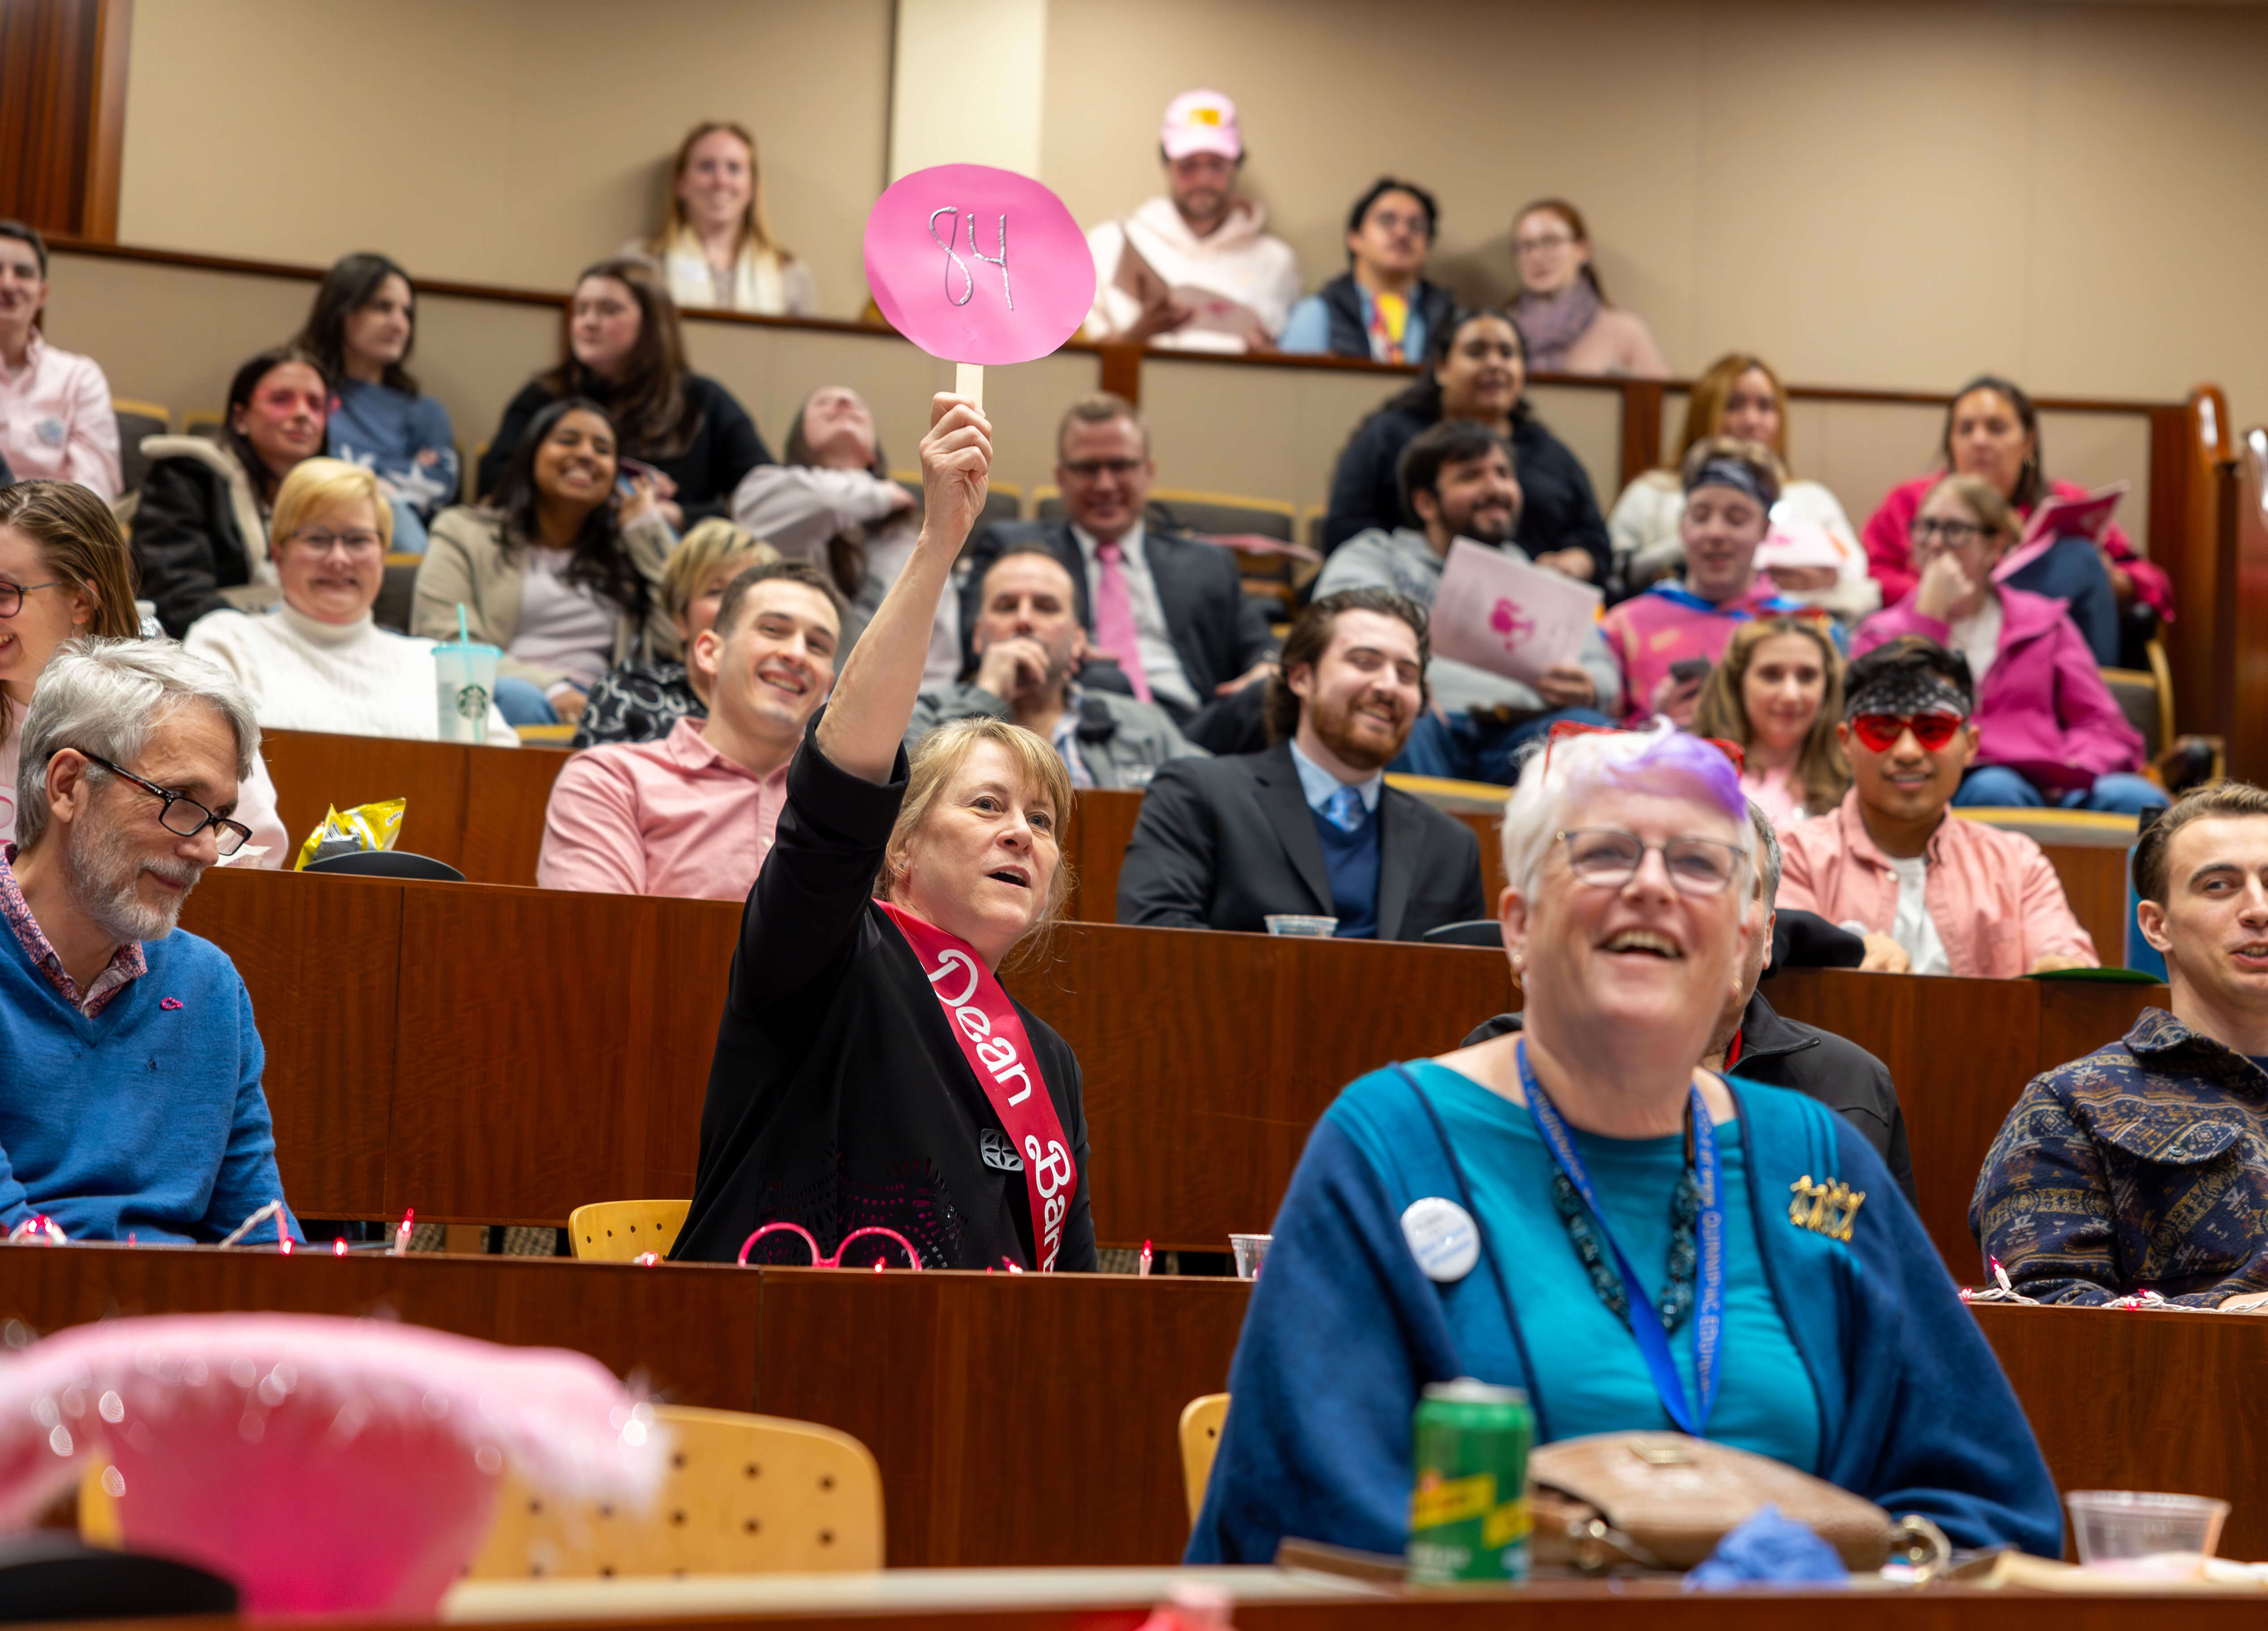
[(56, 422), (1997, 903), (667, 817)]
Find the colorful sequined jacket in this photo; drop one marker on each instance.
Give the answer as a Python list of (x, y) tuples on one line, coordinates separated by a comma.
[(2143, 1166)]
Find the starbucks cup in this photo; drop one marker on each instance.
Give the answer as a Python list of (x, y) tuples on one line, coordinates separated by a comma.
[(465, 675)]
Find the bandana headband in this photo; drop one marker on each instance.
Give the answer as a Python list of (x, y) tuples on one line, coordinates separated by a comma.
[(1732, 473), (1907, 693)]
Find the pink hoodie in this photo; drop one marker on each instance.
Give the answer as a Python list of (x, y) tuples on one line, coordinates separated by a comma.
[(2044, 709)]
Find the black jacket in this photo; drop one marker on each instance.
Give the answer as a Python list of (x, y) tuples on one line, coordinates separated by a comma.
[(1558, 509), (186, 540), (1220, 844), (1343, 300), (1818, 1063), (726, 446), (839, 1096), (1216, 631)]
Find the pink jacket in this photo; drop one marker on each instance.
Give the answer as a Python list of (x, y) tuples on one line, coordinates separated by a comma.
[(1651, 632), (667, 817), (2043, 711), (1890, 545), (1997, 903)]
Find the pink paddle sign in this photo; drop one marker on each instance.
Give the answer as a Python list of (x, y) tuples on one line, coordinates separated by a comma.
[(978, 265)]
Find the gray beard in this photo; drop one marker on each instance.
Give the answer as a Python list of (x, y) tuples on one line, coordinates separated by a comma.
[(103, 872)]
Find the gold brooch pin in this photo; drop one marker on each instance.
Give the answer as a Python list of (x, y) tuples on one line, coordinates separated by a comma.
[(1826, 1208)]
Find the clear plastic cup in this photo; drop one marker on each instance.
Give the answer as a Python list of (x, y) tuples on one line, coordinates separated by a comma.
[(1251, 1251), (466, 676), (1298, 923), (2111, 1525)]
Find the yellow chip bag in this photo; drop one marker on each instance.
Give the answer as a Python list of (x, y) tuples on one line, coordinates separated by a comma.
[(364, 827)]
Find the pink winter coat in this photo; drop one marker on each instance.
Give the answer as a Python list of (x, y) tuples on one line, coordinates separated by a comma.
[(1889, 537), (2043, 711)]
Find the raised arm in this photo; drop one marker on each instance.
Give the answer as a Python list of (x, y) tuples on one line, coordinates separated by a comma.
[(866, 719)]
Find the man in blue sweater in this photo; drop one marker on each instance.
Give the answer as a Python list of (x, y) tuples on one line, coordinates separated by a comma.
[(132, 1105)]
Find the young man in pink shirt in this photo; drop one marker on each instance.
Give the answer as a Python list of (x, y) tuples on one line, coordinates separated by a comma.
[(1932, 893), (1667, 639), (56, 423), (694, 813)]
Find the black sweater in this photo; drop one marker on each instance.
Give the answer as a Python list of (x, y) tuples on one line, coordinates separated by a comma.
[(726, 446), (186, 544), (839, 1096), (1558, 509)]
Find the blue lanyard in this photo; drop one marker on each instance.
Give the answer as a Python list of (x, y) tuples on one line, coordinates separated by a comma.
[(1644, 1322)]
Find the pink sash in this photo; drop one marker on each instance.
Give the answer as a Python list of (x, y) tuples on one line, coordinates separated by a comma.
[(990, 1033)]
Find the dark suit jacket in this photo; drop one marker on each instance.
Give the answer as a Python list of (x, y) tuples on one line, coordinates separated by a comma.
[(1818, 1063), (1217, 633), (1222, 843)]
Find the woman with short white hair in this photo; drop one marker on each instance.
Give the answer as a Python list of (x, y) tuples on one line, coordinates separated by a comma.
[(1577, 1210), (318, 662)]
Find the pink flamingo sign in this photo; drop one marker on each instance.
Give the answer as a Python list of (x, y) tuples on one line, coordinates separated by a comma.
[(978, 266)]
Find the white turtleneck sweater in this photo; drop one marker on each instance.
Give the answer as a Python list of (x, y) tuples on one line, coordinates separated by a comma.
[(353, 679)]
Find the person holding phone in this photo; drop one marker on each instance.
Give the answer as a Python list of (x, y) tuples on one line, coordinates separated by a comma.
[(1665, 641), (559, 567)]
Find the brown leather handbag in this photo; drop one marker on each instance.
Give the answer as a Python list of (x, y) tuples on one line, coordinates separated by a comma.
[(1664, 1500)]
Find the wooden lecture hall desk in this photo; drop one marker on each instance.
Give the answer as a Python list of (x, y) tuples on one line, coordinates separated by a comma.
[(445, 784), (493, 1055), (1030, 1419)]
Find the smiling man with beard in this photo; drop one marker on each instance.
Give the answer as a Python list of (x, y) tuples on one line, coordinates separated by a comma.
[(695, 812), (1309, 827), (131, 1065)]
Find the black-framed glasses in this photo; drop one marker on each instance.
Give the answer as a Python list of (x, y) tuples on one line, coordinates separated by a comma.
[(228, 836), (1087, 469), (12, 594), (1953, 535), (1609, 857)]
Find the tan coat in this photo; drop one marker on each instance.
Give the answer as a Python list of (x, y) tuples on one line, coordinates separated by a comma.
[(466, 561)]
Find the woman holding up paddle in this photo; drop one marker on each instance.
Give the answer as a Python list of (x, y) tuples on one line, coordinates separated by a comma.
[(871, 1073)]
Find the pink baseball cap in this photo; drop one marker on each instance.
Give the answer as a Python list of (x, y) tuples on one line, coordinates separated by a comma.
[(1201, 121)]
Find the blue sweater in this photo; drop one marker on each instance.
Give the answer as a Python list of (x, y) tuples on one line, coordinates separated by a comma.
[(145, 1120), (1912, 1409), (405, 438)]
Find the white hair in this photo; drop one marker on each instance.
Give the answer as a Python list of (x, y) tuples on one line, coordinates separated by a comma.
[(1554, 784), (1766, 855), (103, 698)]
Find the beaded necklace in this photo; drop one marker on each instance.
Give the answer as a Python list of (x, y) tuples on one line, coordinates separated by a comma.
[(1684, 1256)]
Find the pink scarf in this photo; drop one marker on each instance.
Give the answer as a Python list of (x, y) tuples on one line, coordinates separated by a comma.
[(1550, 324)]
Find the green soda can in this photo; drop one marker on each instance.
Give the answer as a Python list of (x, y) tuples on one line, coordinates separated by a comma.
[(1469, 1515)]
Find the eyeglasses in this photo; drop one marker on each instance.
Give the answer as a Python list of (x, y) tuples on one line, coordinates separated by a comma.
[(228, 836), (12, 594), (1087, 469), (1537, 245), (913, 1258), (1609, 858), (1879, 732), (1929, 529), (1392, 221), (321, 542)]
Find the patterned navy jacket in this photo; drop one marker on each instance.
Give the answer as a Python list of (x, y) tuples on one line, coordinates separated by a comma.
[(2143, 1166)]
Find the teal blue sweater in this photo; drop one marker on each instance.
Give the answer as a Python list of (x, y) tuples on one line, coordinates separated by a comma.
[(147, 1119)]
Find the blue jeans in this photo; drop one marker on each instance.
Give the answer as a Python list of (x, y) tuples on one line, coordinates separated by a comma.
[(1997, 787), (1469, 749), (409, 531), (522, 701), (2072, 571)]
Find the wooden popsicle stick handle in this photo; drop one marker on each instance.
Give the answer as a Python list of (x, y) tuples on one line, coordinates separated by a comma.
[(969, 381)]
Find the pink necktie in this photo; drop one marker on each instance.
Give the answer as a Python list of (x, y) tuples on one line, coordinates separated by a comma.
[(1114, 618)]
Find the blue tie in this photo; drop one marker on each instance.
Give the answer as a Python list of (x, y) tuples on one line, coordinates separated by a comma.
[(1344, 810)]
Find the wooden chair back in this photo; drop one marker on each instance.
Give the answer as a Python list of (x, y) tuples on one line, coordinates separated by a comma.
[(615, 1231), (1202, 1419)]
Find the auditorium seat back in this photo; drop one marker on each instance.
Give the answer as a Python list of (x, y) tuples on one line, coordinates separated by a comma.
[(137, 420), (615, 1231), (1201, 1420), (744, 1495), (397, 593), (2148, 705)]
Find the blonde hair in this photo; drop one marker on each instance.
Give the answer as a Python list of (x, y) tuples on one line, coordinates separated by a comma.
[(1984, 500), (707, 546), (938, 757), (756, 225), (1704, 407), (318, 484), (1821, 770)]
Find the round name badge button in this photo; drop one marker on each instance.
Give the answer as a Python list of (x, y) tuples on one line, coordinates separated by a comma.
[(1442, 1236)]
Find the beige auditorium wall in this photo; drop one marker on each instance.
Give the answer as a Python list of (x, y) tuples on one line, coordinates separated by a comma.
[(1893, 195), (493, 141)]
